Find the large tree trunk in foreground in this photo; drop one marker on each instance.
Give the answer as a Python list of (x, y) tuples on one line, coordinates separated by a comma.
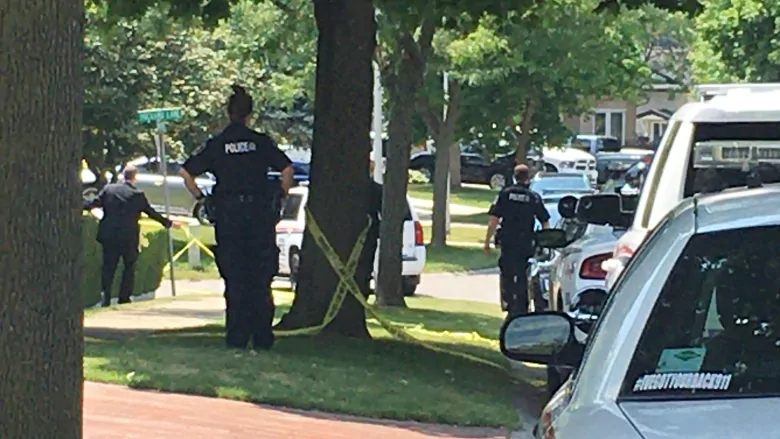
[(41, 335), (340, 183)]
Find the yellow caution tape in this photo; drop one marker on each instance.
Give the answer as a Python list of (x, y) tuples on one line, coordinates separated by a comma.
[(347, 284)]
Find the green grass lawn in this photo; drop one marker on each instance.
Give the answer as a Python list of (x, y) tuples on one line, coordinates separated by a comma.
[(467, 195), (382, 378), (474, 235)]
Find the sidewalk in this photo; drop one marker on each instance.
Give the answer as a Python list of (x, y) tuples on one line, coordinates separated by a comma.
[(114, 412), (455, 209)]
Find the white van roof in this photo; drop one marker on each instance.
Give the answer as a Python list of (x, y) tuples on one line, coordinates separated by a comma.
[(733, 103)]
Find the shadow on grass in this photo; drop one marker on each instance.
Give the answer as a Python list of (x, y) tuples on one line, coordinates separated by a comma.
[(379, 378)]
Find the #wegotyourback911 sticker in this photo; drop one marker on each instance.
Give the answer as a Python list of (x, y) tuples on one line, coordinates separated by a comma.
[(682, 381)]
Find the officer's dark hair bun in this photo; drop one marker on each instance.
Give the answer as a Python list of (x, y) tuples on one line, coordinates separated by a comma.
[(239, 104)]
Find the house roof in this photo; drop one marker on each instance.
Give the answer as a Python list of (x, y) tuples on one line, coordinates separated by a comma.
[(663, 113)]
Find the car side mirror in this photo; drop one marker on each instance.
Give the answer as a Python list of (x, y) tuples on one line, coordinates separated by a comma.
[(603, 209), (567, 207), (551, 238), (536, 338)]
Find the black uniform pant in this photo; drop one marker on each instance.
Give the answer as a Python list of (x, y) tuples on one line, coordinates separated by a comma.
[(513, 264), (112, 252), (248, 260)]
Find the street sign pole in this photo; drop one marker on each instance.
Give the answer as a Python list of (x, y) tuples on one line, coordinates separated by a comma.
[(377, 153), (159, 116)]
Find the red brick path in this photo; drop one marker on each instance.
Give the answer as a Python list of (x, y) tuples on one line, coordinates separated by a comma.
[(113, 412)]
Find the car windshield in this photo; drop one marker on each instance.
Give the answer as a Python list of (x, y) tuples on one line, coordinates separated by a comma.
[(291, 206), (559, 184), (581, 144), (715, 328)]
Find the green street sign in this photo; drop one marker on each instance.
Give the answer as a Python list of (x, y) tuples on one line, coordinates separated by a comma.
[(159, 114)]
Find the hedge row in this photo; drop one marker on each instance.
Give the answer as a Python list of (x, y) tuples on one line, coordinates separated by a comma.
[(149, 268)]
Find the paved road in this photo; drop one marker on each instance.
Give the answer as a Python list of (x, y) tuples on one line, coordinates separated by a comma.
[(479, 286)]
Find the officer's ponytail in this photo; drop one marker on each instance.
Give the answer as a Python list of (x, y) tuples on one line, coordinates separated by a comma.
[(239, 104)]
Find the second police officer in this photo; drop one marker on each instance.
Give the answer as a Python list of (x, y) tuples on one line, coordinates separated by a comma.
[(243, 198), (516, 207)]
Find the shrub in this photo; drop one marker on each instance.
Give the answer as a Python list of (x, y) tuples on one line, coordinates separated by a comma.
[(417, 177), (148, 274)]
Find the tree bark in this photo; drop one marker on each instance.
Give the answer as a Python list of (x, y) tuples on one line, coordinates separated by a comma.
[(388, 285), (342, 123), (403, 97), (41, 333), (526, 125), (443, 163), (455, 176)]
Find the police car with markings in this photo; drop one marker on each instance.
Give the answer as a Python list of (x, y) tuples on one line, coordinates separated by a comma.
[(687, 343), (289, 239)]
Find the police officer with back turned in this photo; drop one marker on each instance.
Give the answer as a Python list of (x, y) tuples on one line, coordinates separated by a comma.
[(243, 197), (516, 207)]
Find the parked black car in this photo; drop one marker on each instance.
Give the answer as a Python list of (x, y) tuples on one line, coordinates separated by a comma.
[(473, 167)]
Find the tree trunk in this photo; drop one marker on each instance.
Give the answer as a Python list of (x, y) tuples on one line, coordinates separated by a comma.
[(455, 176), (388, 286), (41, 333), (526, 125), (342, 124), (443, 165)]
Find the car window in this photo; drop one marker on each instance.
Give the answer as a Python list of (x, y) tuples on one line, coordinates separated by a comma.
[(291, 207), (609, 144), (173, 168), (715, 328)]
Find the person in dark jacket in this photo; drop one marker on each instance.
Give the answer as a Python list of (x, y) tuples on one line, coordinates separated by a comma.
[(119, 231)]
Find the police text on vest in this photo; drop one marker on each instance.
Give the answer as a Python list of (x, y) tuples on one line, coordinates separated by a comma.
[(240, 147)]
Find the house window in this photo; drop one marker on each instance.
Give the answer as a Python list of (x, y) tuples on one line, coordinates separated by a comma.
[(657, 130), (609, 123)]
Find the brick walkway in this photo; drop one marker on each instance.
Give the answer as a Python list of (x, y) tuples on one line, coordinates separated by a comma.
[(116, 412)]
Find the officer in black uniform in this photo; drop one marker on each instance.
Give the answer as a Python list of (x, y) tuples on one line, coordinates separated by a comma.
[(118, 231), (516, 207), (245, 212)]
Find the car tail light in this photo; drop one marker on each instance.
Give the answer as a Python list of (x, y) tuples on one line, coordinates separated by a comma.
[(419, 238), (591, 267), (545, 424), (289, 229), (623, 253)]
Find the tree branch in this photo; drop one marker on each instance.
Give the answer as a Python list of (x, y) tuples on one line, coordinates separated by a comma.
[(284, 8), (419, 51)]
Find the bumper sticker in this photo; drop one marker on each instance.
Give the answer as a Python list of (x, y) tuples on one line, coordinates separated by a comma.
[(676, 381)]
